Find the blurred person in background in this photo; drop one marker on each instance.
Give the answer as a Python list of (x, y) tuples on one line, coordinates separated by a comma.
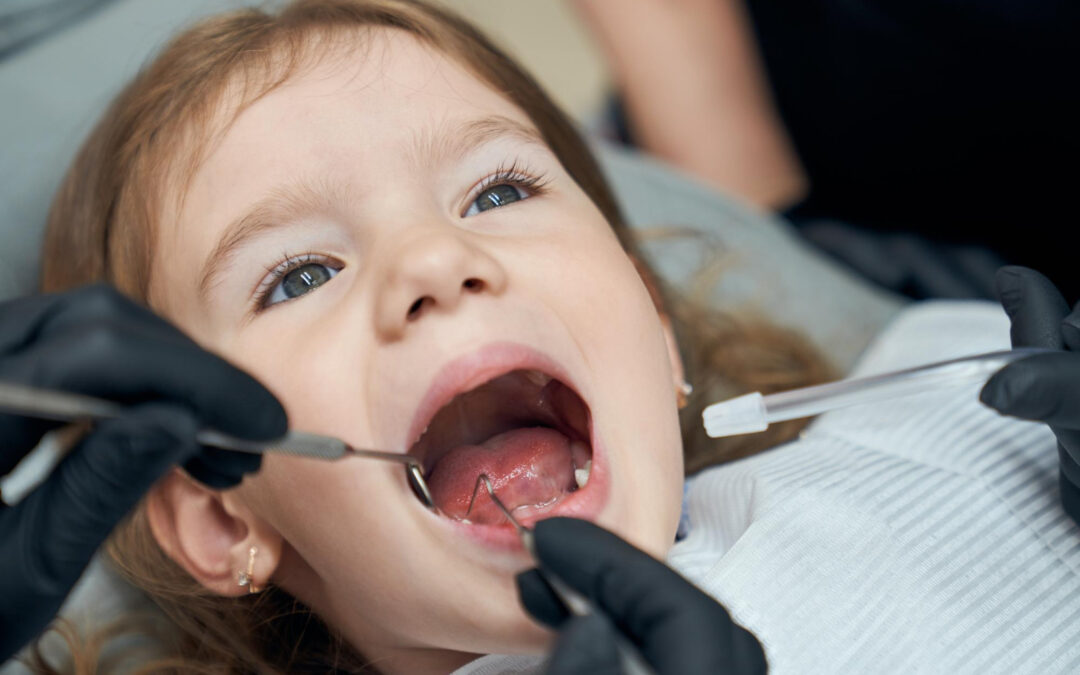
[(922, 143)]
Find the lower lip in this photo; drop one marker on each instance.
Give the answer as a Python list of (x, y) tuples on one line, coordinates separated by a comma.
[(585, 503)]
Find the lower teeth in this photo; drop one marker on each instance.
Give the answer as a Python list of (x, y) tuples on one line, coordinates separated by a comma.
[(581, 476), (524, 509)]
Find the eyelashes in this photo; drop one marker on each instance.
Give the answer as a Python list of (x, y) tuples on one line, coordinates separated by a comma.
[(277, 272), (515, 174)]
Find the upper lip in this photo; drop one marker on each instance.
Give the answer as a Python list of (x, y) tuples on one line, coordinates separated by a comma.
[(475, 368)]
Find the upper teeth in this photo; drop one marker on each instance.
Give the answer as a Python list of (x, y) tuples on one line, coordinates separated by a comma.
[(537, 378), (581, 476)]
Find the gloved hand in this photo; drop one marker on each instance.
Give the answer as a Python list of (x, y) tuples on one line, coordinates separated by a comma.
[(1044, 387), (94, 341), (678, 629)]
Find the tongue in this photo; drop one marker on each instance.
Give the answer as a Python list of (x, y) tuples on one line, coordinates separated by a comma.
[(527, 467)]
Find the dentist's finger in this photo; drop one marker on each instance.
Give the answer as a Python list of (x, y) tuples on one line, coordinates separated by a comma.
[(222, 469), (30, 318), (1042, 388), (539, 600), (678, 628), (586, 646), (125, 362), (1034, 305), (1070, 329)]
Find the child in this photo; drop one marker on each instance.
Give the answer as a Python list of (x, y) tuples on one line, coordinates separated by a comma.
[(371, 209)]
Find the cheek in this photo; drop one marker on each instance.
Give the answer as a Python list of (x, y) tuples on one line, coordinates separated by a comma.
[(323, 508), (330, 516), (610, 312), (597, 287), (640, 423), (317, 372)]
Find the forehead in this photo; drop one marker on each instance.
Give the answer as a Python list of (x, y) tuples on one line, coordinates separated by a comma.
[(380, 94)]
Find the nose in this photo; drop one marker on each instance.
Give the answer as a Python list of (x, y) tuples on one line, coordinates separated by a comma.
[(432, 273)]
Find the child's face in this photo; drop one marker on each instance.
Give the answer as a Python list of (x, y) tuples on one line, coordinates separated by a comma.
[(415, 280)]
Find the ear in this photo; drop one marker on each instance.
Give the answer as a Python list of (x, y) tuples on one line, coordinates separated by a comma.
[(678, 373), (677, 370), (210, 534)]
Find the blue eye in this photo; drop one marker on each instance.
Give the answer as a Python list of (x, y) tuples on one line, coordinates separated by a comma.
[(504, 187), (494, 197), (292, 279)]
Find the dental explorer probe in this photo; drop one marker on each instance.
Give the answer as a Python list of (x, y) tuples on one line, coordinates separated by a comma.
[(751, 413), (62, 406), (577, 604)]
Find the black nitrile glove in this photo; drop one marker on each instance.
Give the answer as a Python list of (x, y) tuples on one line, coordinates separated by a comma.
[(677, 628), (96, 342), (1044, 387)]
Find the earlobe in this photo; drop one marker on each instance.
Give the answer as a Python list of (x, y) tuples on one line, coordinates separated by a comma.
[(210, 534)]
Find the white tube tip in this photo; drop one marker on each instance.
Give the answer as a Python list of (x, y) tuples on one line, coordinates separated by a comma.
[(740, 415)]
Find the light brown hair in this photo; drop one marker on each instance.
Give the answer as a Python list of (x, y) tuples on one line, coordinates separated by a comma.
[(102, 227)]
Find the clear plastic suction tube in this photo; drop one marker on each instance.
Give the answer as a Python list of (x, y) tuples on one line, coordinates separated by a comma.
[(752, 413)]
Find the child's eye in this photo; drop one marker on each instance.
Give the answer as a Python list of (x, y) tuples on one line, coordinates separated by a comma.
[(293, 278), (495, 196), (503, 187)]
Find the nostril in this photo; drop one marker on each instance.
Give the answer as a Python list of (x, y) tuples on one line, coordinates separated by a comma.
[(472, 285), (414, 309)]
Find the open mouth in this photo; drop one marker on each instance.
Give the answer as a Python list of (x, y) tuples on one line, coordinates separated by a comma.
[(526, 430)]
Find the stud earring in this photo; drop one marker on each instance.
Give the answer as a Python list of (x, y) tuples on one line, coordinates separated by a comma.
[(682, 394), (247, 578)]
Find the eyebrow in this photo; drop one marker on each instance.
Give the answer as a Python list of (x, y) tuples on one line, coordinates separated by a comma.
[(445, 143), (285, 205)]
